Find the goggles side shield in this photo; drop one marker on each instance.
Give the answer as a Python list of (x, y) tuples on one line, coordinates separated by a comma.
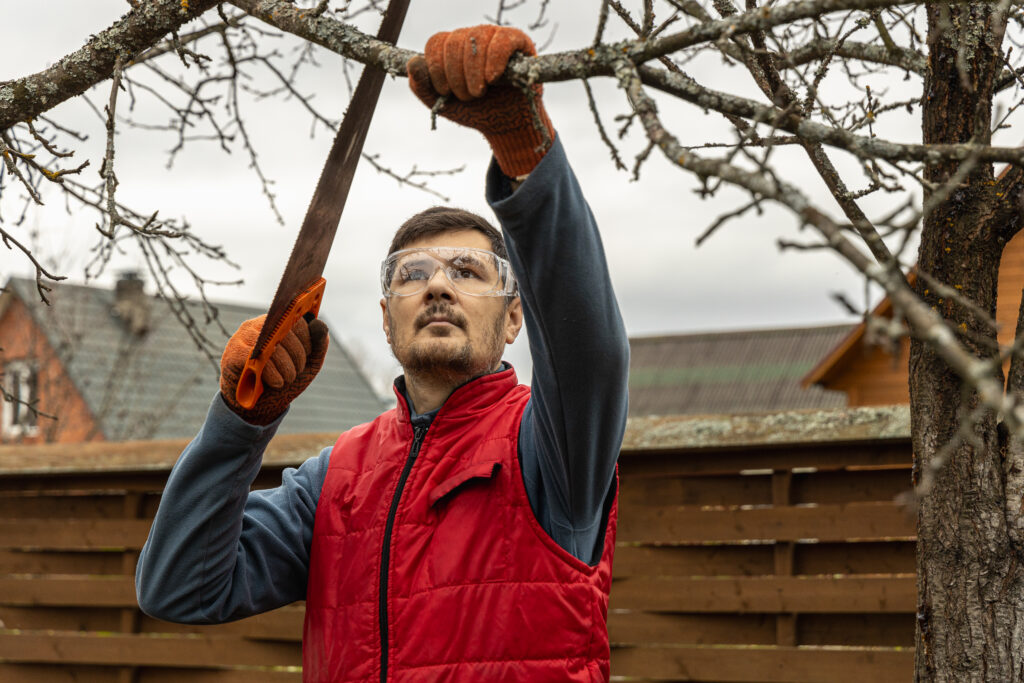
[(476, 272)]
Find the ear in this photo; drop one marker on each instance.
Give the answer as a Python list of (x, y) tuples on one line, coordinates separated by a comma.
[(513, 320), (387, 322)]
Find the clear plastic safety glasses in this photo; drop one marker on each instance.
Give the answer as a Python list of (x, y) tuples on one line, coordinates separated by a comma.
[(476, 272)]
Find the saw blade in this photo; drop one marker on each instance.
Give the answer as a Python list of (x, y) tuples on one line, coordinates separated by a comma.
[(313, 244)]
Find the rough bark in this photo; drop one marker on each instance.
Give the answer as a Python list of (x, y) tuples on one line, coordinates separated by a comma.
[(1013, 451), (138, 30), (970, 599)]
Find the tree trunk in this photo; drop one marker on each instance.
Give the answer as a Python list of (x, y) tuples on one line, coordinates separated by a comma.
[(970, 602)]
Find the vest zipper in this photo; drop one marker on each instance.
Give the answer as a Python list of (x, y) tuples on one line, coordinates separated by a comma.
[(419, 432)]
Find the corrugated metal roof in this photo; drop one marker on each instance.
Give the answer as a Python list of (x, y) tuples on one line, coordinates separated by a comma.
[(158, 385), (730, 372)]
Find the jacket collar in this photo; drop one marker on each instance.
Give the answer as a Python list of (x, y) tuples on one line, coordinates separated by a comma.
[(473, 396)]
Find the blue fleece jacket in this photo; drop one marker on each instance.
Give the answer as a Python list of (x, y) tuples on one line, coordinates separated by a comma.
[(217, 551)]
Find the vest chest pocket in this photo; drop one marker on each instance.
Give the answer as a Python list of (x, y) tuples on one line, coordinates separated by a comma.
[(477, 473), (466, 535)]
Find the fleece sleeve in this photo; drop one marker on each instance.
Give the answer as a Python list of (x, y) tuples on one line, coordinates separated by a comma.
[(573, 425), (217, 552)]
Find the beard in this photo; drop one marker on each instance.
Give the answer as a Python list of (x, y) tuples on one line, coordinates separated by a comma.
[(442, 361)]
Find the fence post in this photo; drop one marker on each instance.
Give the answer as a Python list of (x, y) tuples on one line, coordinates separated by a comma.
[(133, 508), (785, 624)]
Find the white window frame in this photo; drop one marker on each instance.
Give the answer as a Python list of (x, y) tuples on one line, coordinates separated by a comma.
[(21, 379)]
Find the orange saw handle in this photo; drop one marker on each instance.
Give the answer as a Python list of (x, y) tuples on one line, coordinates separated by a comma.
[(250, 384)]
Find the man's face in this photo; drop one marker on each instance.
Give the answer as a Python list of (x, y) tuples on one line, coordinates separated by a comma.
[(444, 333)]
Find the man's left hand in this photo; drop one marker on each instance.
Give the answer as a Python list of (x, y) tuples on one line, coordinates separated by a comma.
[(464, 65)]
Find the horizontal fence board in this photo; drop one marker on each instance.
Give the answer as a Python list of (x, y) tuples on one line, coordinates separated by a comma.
[(69, 591), (625, 627), (49, 673), (870, 557), (718, 663), (764, 664), (280, 624), (247, 675), (849, 486), (62, 505), (655, 629), (787, 523), (60, 562), (276, 625), (102, 457), (777, 594), (732, 489), (693, 560), (823, 486), (98, 482), (140, 650), (61, 618), (73, 534), (99, 495), (145, 482), (682, 463), (888, 630)]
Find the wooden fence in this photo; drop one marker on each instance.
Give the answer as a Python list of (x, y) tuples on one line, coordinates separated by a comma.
[(750, 549)]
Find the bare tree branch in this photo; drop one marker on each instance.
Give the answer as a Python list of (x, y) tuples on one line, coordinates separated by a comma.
[(924, 322), (141, 28)]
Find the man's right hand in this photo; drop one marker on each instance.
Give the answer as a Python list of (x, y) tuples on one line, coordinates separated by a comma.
[(293, 365)]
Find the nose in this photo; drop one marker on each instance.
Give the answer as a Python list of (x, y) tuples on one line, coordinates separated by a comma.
[(439, 286)]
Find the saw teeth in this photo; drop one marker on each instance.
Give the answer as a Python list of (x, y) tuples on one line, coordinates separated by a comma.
[(257, 352)]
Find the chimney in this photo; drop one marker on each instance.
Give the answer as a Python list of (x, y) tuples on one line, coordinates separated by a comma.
[(131, 303)]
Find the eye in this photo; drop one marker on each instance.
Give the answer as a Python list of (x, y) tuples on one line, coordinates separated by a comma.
[(466, 268), (412, 273)]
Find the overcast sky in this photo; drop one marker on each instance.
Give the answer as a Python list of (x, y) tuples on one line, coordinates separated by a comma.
[(738, 279)]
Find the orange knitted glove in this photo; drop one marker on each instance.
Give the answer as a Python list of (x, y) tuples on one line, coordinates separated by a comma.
[(466, 63), (292, 367)]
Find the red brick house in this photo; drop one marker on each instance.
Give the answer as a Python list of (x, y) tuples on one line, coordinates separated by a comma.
[(101, 364)]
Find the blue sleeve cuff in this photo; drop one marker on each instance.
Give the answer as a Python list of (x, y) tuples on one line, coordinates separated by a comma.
[(224, 420), (506, 202)]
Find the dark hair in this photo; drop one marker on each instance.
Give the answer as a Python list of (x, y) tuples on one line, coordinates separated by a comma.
[(438, 219)]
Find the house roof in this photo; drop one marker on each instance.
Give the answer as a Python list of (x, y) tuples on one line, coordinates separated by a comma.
[(731, 372), (159, 384)]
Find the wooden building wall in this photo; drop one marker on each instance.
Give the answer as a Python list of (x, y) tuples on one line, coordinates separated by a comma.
[(872, 375), (749, 549)]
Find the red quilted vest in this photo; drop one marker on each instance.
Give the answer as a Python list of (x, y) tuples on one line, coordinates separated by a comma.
[(434, 568)]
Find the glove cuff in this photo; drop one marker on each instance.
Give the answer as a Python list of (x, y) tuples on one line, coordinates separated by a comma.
[(519, 151), (259, 416)]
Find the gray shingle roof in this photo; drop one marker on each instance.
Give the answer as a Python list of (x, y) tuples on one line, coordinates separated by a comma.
[(158, 385), (730, 372)]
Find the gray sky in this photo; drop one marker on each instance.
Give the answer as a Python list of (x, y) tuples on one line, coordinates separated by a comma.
[(738, 279)]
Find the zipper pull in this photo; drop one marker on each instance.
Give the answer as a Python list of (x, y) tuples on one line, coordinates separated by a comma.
[(419, 432)]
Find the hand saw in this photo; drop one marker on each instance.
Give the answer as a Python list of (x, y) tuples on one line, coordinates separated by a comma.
[(301, 289)]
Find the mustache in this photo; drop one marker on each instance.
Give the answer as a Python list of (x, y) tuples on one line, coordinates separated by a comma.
[(441, 311)]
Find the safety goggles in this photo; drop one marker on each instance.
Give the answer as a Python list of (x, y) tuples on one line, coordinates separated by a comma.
[(476, 272)]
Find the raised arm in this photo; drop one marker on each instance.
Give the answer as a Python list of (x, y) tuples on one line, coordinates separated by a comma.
[(572, 429), (573, 426), (217, 552)]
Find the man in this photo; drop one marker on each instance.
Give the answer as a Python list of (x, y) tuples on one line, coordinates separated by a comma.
[(466, 535)]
